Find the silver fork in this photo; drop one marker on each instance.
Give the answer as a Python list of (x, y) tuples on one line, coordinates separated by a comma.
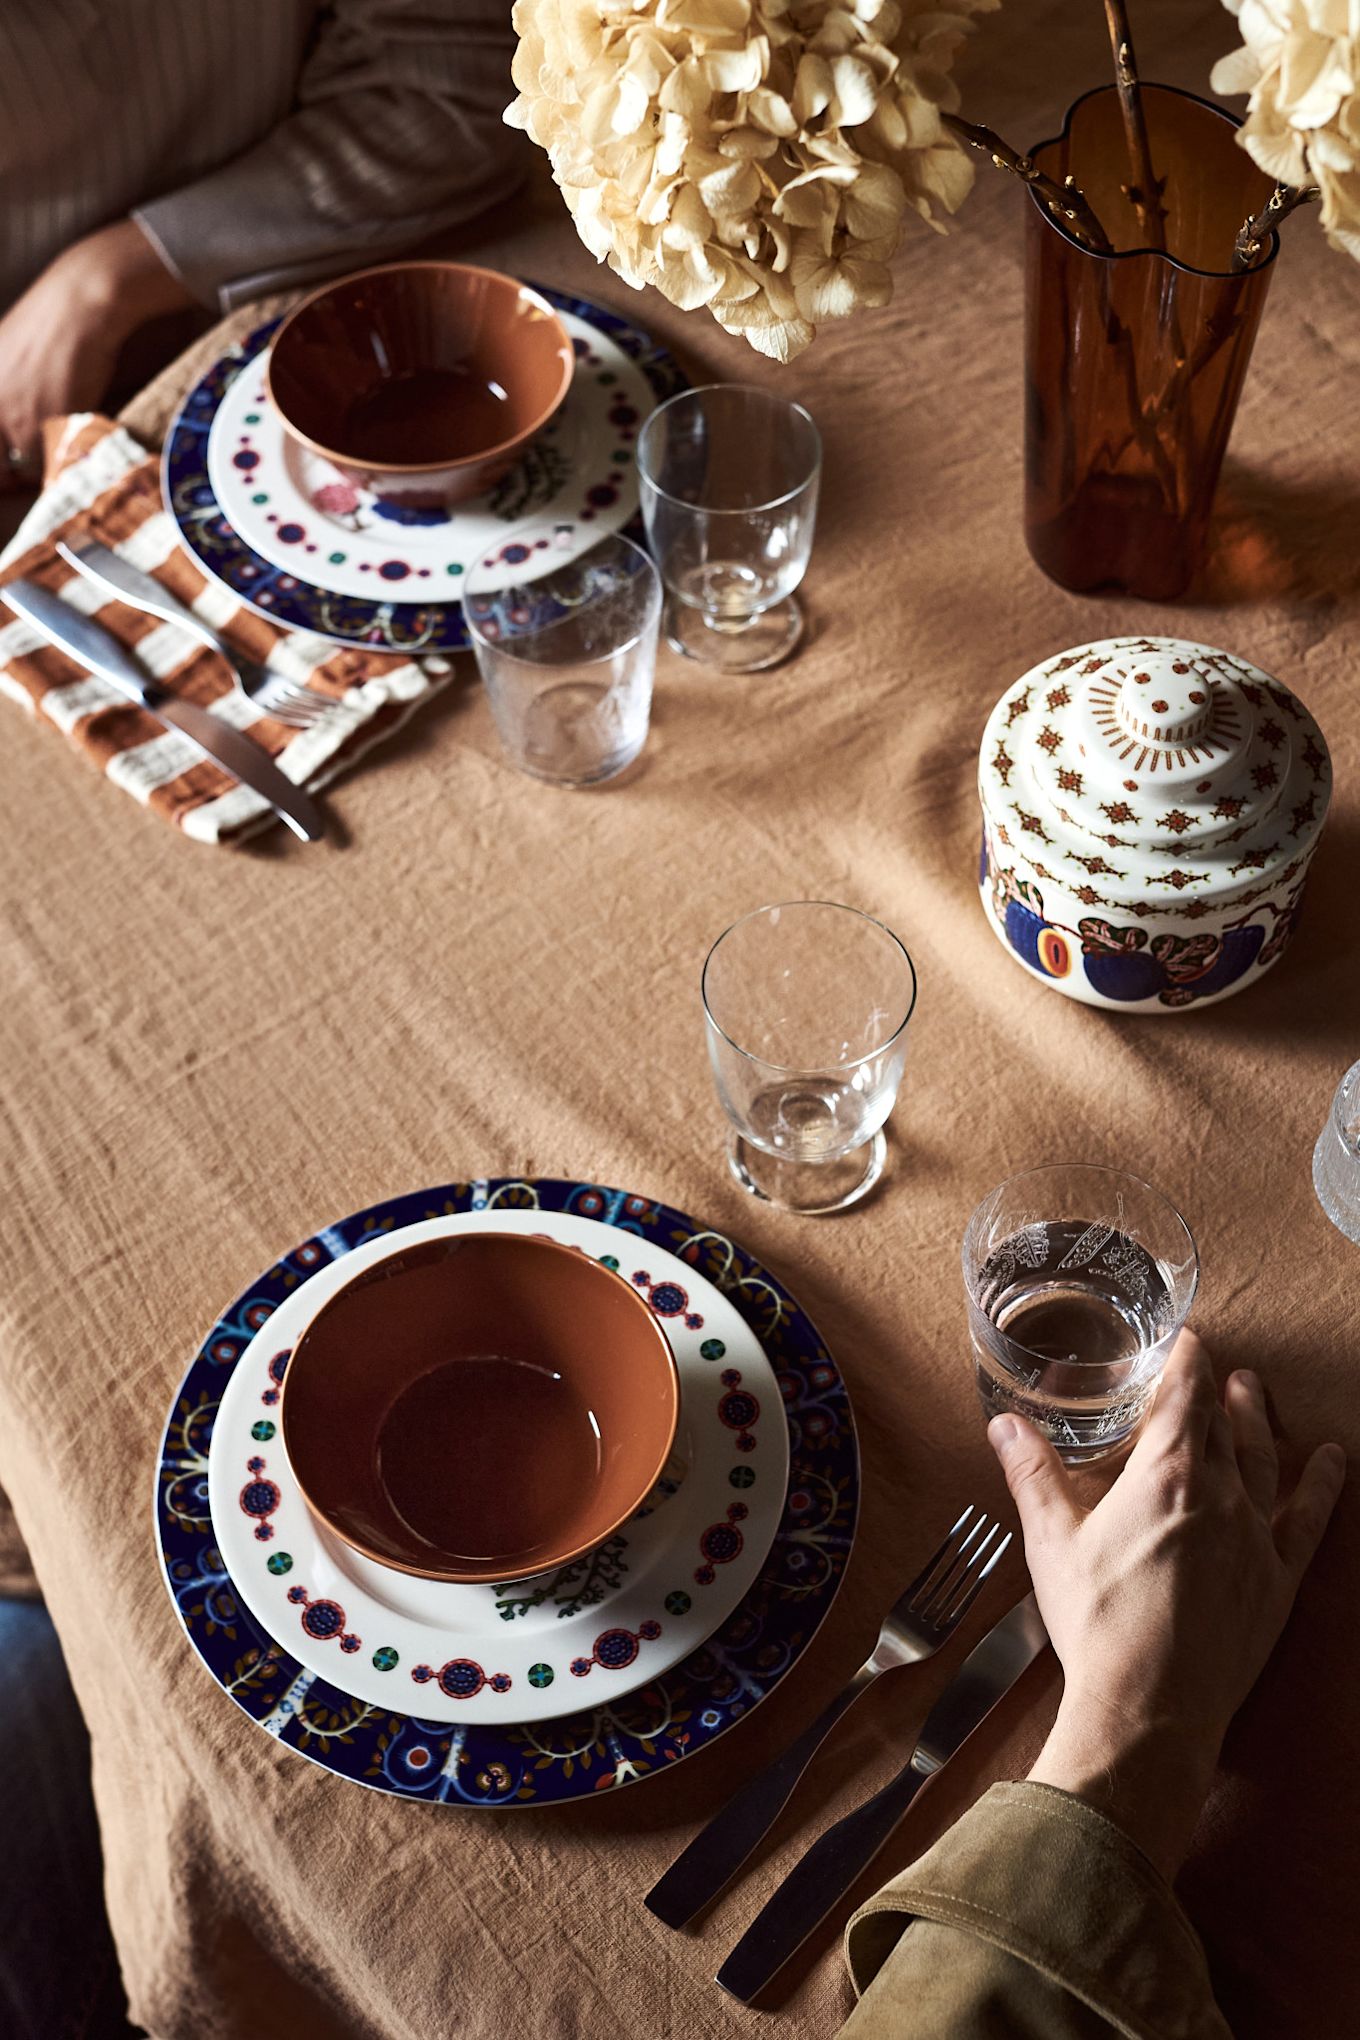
[(286, 700), (922, 1618)]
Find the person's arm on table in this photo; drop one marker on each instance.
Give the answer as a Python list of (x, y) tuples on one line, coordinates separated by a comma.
[(60, 339), (396, 133), (1047, 1910)]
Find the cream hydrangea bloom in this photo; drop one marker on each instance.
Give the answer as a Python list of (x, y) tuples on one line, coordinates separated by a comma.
[(753, 156), (1300, 61)]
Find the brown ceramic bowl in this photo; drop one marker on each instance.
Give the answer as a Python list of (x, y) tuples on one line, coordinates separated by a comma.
[(481, 1407), (421, 381)]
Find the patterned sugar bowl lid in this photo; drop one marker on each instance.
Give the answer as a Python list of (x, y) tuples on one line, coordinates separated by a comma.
[(1149, 809)]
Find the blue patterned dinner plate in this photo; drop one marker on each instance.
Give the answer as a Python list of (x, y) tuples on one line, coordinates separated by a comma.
[(289, 597), (568, 1757)]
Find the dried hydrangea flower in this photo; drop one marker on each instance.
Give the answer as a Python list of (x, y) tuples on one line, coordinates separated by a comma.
[(1300, 62), (754, 156)]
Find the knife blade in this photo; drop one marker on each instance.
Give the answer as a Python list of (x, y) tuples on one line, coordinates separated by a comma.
[(87, 641), (837, 1858)]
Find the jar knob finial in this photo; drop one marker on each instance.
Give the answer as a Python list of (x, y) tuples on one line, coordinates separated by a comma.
[(1173, 706)]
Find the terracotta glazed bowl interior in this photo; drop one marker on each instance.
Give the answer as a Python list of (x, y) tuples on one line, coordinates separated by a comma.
[(483, 1407), (420, 379)]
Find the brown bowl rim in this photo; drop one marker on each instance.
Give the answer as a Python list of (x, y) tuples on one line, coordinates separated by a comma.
[(488, 1573), (424, 467)]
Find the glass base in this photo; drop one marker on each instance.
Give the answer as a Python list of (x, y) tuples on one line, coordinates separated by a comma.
[(596, 775), (762, 642), (1336, 1179), (811, 1188)]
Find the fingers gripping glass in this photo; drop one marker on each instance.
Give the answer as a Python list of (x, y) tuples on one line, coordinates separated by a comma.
[(1078, 1282)]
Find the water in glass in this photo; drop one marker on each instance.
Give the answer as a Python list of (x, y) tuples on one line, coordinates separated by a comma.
[(1086, 1299), (1078, 1279)]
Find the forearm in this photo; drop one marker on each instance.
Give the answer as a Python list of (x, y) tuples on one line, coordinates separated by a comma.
[(1149, 1777), (116, 276)]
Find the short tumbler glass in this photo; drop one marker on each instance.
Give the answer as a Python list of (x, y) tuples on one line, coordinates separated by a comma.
[(1078, 1281), (806, 1007), (728, 479), (565, 627), (1336, 1158)]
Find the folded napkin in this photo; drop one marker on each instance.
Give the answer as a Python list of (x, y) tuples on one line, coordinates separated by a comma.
[(101, 483)]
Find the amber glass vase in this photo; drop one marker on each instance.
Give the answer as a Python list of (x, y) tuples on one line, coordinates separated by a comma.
[(1134, 360)]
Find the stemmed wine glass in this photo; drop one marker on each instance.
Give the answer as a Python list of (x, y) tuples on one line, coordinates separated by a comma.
[(806, 1007), (729, 478)]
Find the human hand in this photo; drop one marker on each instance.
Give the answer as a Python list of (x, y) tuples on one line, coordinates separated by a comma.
[(60, 340), (1164, 1601)]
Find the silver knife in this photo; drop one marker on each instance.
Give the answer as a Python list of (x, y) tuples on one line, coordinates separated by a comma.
[(87, 641), (836, 1859), (110, 571)]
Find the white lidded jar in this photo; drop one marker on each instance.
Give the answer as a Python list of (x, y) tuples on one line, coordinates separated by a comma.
[(1150, 807)]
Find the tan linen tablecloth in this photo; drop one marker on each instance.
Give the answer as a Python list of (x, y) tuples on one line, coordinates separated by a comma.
[(207, 1053)]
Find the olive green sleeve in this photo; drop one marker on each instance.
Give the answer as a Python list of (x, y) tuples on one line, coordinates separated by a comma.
[(1033, 1918)]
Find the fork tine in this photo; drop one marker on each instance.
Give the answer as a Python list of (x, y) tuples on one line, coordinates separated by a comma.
[(928, 1579), (944, 1588), (292, 704), (973, 1589), (294, 698), (909, 1593)]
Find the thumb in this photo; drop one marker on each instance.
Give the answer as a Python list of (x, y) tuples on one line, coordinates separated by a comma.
[(1035, 1475)]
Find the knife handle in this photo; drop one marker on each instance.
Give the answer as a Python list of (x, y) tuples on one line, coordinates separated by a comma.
[(115, 575), (816, 1884), (715, 1855)]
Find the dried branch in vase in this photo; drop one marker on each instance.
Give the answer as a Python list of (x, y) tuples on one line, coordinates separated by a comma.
[(1067, 205), (1144, 187), (1301, 66), (1254, 233)]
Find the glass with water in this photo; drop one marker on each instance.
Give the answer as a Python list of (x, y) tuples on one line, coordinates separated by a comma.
[(1078, 1282)]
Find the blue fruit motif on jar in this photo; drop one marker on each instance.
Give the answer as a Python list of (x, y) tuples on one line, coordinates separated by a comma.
[(1122, 965), (1043, 947), (1125, 975), (1241, 947)]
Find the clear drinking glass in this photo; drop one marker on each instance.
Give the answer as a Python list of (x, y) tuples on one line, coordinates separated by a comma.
[(1336, 1158), (806, 1007), (729, 480), (565, 629), (1078, 1281)]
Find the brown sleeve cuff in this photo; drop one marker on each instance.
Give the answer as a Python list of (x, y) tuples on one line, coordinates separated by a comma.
[(1040, 1874)]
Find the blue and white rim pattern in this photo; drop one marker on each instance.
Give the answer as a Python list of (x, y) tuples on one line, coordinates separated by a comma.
[(291, 601), (570, 1757)]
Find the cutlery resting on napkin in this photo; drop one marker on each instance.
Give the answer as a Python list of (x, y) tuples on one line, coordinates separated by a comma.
[(86, 640)]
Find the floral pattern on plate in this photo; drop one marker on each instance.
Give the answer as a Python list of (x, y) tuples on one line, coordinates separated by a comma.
[(608, 1742), (285, 588), (631, 1609)]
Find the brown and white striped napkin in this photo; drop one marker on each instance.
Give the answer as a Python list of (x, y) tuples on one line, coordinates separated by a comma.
[(101, 483)]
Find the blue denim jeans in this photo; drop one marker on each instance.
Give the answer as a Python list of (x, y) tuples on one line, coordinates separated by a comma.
[(58, 1971)]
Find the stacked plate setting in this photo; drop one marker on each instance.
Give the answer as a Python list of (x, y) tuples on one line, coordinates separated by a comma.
[(286, 534), (530, 1690)]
